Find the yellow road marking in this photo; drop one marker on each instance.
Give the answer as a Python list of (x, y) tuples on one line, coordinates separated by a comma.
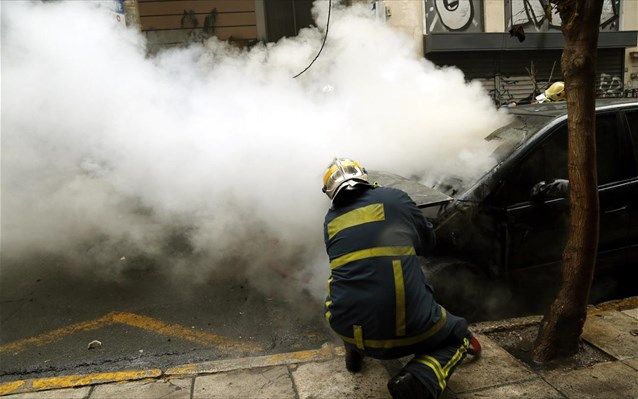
[(217, 366), (133, 320), (71, 381), (179, 331), (10, 387), (57, 334)]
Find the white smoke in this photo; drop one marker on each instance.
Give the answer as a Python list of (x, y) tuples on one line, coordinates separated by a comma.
[(210, 157)]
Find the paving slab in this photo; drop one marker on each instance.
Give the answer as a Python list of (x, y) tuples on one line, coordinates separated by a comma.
[(602, 380), (534, 389), (71, 393), (631, 313), (265, 382), (331, 380), (495, 367), (611, 332), (633, 363), (145, 389)]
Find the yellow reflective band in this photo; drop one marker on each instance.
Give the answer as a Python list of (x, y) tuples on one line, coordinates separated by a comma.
[(436, 368), (328, 316), (371, 253), (328, 303), (399, 293), (442, 374), (398, 342), (358, 336), (328, 285), (457, 356), (356, 217)]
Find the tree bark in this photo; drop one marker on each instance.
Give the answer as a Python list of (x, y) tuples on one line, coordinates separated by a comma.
[(560, 329)]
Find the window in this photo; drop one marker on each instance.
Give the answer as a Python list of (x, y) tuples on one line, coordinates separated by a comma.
[(610, 141), (546, 162), (632, 120), (549, 161)]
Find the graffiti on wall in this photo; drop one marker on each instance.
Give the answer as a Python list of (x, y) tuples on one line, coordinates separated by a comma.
[(610, 86), (541, 16), (453, 16)]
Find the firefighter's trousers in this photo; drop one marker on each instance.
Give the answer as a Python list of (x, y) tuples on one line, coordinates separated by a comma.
[(434, 368), (434, 360)]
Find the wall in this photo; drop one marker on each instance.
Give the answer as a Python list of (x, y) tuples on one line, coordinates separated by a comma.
[(407, 16), (494, 16), (629, 21), (132, 13), (171, 22)]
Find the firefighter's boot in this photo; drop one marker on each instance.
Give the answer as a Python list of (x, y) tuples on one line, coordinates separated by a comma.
[(405, 386), (475, 347), (354, 360)]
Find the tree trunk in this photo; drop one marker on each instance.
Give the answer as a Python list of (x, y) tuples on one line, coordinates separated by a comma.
[(562, 326)]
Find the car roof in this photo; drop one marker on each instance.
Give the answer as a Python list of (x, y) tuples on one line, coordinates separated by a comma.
[(560, 108)]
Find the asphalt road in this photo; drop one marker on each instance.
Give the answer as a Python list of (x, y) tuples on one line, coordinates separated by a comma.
[(143, 319), (147, 318)]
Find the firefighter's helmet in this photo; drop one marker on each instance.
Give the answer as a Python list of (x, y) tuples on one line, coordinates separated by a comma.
[(556, 92), (343, 173)]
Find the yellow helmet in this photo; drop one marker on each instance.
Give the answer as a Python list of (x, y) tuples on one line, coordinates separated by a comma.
[(555, 92), (343, 173)]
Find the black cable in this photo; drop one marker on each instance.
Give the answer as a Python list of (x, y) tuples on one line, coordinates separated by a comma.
[(322, 44)]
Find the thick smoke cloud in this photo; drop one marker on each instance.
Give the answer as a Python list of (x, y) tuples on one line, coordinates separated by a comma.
[(210, 157)]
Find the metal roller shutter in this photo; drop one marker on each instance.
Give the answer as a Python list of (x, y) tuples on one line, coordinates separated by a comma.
[(504, 74)]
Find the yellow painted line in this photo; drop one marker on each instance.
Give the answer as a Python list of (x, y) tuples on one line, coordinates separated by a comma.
[(74, 381), (71, 381), (10, 387), (179, 331), (56, 335), (326, 352), (138, 321), (217, 366)]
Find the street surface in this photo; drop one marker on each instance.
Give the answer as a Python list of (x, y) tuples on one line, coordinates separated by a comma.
[(500, 372), (145, 319)]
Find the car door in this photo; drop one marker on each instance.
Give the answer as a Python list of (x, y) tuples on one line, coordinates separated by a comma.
[(616, 181), (535, 231), (631, 123)]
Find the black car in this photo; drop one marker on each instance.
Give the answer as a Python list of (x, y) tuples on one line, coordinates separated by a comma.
[(499, 229)]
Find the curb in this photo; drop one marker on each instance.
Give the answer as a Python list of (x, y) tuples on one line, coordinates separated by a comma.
[(326, 352)]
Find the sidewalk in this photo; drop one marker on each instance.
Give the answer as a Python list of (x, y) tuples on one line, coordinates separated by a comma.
[(611, 333)]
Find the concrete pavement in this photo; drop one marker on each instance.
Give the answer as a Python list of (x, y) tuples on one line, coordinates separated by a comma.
[(320, 373)]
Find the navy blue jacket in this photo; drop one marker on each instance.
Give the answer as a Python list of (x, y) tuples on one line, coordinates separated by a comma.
[(377, 294)]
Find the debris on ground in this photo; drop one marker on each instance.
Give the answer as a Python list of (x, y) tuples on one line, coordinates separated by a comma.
[(94, 344)]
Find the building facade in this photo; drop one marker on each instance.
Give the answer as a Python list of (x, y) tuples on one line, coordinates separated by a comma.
[(474, 35)]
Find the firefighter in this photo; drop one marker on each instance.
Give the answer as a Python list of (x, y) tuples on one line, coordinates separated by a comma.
[(379, 301)]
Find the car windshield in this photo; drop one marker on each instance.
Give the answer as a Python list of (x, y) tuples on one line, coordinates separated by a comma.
[(508, 138), (512, 135)]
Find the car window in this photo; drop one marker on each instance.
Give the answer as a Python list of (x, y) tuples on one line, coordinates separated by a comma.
[(548, 161), (632, 119), (610, 140)]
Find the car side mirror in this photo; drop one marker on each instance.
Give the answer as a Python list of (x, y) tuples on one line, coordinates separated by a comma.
[(537, 193), (554, 188)]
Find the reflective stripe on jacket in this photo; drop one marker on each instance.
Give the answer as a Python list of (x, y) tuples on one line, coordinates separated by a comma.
[(377, 293)]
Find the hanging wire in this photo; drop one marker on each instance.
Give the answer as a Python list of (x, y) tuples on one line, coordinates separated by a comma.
[(322, 44)]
